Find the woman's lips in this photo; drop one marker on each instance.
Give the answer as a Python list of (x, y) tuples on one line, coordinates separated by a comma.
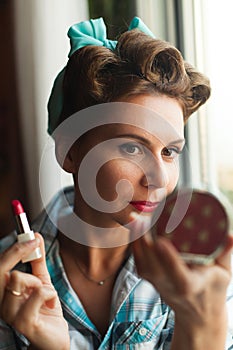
[(147, 207)]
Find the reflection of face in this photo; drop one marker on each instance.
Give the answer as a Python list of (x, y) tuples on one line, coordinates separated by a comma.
[(148, 166)]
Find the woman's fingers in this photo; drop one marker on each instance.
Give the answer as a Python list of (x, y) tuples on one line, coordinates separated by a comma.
[(159, 262), (138, 225), (18, 289), (45, 296), (39, 267), (178, 283), (145, 259), (15, 253), (24, 313), (11, 257), (41, 317), (29, 302), (42, 297), (19, 283), (224, 260)]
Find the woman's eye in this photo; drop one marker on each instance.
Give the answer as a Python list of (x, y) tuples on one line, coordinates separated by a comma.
[(131, 149), (171, 152)]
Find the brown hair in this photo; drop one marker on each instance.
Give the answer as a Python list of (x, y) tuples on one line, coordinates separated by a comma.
[(139, 65)]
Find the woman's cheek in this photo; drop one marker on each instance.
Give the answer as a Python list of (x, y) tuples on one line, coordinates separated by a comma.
[(174, 173), (117, 176)]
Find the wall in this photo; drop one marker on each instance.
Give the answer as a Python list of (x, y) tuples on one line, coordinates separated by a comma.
[(41, 52)]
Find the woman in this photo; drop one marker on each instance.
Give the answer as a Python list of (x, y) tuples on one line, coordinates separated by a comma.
[(140, 92)]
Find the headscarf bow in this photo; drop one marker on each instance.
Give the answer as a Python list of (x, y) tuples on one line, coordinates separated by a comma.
[(92, 32)]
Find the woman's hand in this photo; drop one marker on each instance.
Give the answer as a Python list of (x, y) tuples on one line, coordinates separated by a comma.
[(29, 302), (196, 293)]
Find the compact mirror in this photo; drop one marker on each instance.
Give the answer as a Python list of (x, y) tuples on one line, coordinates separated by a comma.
[(195, 222)]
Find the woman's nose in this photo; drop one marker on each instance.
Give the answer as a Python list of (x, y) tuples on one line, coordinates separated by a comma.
[(155, 174)]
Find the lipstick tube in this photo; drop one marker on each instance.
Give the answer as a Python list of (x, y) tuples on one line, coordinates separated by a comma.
[(25, 233)]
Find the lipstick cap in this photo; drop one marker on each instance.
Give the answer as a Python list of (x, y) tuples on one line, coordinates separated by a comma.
[(25, 237)]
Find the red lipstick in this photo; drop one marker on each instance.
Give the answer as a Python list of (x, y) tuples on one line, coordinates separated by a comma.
[(24, 231), (145, 206)]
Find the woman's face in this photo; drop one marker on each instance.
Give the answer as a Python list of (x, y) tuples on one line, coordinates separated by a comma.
[(120, 168)]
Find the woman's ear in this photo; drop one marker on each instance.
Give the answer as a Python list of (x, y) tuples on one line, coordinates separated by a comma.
[(64, 156), (68, 164)]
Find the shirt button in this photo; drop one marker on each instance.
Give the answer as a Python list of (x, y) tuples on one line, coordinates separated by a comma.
[(142, 331)]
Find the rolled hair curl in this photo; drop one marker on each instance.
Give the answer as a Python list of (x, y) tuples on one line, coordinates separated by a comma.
[(139, 65)]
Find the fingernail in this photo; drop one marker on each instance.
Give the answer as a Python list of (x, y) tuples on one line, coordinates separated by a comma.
[(134, 216), (34, 242)]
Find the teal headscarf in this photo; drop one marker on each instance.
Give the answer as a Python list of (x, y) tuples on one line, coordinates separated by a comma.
[(92, 32)]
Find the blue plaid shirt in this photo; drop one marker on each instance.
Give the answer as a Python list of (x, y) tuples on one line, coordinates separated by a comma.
[(139, 318)]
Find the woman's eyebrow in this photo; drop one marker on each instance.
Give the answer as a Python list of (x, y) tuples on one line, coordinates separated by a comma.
[(177, 141), (136, 137), (146, 141)]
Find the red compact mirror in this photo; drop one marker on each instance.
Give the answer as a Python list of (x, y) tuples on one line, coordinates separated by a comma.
[(195, 222)]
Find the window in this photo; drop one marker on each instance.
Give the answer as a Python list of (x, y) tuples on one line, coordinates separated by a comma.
[(116, 14), (218, 50), (207, 29), (202, 30)]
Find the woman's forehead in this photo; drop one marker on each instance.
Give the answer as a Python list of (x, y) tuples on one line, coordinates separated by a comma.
[(161, 107), (128, 131), (158, 116)]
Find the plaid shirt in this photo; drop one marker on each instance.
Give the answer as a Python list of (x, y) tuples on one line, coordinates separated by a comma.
[(139, 318)]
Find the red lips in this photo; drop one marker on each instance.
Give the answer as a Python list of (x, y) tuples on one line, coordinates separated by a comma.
[(147, 207)]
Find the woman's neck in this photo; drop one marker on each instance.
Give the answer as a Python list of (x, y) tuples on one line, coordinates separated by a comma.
[(98, 263)]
